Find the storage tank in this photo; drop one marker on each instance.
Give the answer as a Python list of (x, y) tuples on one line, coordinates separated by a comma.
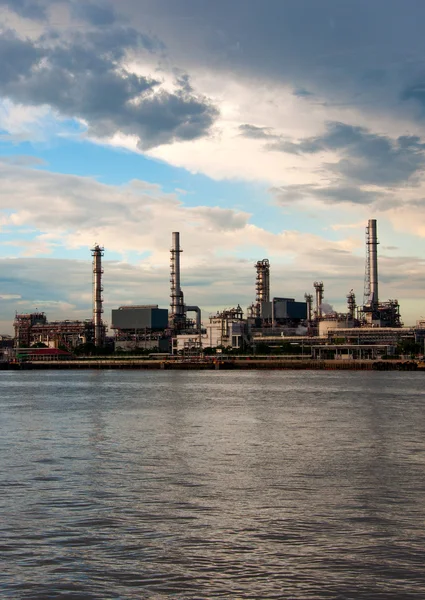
[(329, 323)]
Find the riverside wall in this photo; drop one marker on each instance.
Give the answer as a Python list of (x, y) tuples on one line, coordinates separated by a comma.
[(217, 364)]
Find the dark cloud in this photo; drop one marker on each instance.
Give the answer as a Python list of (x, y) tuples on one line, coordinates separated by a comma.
[(95, 14), (336, 194), (84, 78), (257, 133), (414, 94), (301, 93), (29, 9), (183, 82), (367, 158), (343, 52), (17, 57)]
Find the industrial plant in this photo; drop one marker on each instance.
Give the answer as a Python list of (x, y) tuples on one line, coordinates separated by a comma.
[(368, 330)]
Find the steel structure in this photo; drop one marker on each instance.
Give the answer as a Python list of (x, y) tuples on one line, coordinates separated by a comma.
[(351, 304), (33, 328), (309, 300), (23, 326), (97, 253), (382, 314), (262, 285), (178, 320), (177, 316), (371, 271), (319, 287)]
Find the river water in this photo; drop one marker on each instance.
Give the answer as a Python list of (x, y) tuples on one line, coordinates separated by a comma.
[(174, 484)]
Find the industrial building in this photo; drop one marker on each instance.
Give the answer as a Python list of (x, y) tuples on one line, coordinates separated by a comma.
[(376, 323), (34, 328), (140, 327), (270, 320), (133, 319), (226, 329)]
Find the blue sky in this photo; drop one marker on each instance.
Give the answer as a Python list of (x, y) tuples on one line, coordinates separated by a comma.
[(256, 129)]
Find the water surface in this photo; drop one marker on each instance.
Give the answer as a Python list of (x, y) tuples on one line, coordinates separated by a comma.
[(277, 484)]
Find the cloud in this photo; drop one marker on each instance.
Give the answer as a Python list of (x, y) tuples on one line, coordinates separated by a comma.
[(29, 9), (85, 78), (10, 296), (17, 58), (336, 194), (257, 133), (301, 93), (94, 13), (366, 158), (22, 160)]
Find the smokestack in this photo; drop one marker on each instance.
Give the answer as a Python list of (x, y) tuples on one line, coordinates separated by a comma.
[(263, 284), (318, 286), (97, 253), (372, 247), (177, 302)]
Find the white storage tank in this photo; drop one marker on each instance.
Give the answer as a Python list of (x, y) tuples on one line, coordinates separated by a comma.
[(329, 323)]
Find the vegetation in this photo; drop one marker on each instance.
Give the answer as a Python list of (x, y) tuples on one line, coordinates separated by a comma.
[(408, 348)]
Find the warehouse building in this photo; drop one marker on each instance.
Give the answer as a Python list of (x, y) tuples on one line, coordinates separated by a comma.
[(131, 319)]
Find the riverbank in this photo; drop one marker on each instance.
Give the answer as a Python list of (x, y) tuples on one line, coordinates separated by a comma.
[(217, 364)]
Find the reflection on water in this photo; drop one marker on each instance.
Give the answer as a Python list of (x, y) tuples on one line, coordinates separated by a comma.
[(206, 485)]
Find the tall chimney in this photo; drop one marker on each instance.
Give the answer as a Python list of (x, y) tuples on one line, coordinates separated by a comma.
[(97, 253), (177, 301), (318, 286), (372, 247)]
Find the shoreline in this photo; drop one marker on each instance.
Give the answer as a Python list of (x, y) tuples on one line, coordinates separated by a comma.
[(228, 364)]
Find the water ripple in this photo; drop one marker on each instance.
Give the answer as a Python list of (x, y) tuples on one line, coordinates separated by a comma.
[(212, 485)]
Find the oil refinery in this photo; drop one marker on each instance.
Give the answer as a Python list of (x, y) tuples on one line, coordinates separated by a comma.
[(369, 329)]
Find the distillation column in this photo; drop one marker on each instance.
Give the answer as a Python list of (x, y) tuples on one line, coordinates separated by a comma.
[(262, 284), (351, 304), (177, 301), (97, 253), (372, 250), (309, 300), (318, 286)]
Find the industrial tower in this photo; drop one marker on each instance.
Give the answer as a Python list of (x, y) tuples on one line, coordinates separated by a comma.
[(177, 316), (376, 313), (371, 298), (97, 253), (309, 301), (319, 287), (262, 285)]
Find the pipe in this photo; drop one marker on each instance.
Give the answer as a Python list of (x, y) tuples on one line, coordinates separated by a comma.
[(198, 315), (97, 253), (372, 242)]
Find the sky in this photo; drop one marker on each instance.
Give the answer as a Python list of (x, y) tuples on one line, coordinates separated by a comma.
[(257, 129)]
